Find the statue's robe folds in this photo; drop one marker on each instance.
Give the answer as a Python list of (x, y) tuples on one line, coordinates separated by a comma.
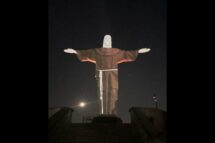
[(107, 60)]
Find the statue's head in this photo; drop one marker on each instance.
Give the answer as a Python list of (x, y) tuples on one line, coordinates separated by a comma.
[(107, 43)]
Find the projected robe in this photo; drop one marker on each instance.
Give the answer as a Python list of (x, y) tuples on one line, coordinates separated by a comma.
[(107, 60)]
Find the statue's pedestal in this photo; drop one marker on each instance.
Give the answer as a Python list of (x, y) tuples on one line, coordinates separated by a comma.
[(107, 119)]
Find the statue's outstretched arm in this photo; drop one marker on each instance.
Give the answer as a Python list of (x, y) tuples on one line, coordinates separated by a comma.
[(71, 51), (144, 50)]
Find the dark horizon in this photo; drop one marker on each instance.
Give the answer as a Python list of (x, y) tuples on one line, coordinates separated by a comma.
[(82, 25)]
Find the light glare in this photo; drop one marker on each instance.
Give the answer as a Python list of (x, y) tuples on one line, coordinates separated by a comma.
[(82, 104)]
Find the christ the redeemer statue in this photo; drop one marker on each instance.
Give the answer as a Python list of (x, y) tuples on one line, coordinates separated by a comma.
[(107, 60)]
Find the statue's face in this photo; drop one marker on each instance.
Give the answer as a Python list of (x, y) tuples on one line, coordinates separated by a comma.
[(107, 43)]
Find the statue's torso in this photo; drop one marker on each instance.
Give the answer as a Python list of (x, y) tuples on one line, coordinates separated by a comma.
[(106, 58)]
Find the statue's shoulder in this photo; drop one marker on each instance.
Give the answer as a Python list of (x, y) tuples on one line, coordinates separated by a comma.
[(107, 51), (116, 49)]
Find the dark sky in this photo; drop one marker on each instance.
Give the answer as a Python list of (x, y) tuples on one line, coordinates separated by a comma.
[(82, 24)]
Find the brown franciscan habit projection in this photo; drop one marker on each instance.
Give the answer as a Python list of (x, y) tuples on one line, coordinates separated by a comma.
[(106, 60)]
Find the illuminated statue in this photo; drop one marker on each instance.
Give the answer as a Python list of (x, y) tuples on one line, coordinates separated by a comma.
[(107, 60)]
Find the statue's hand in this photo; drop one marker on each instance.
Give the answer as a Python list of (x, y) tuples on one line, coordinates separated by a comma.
[(72, 51), (144, 50)]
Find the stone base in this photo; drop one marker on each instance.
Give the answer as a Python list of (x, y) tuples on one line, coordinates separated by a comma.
[(109, 119)]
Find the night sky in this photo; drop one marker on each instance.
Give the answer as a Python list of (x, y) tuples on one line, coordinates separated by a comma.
[(82, 24)]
